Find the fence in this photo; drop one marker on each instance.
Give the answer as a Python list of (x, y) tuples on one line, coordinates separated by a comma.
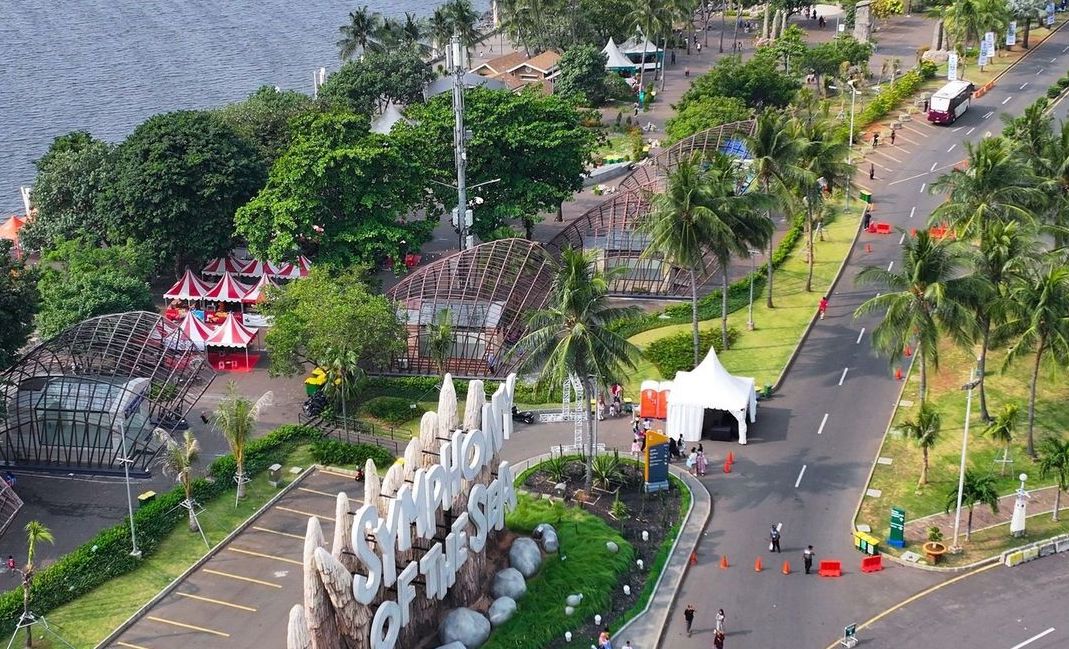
[(358, 431)]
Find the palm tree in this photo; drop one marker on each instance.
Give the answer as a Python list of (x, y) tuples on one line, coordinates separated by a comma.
[(921, 301), (647, 19), (967, 20), (774, 154), (1002, 428), (975, 490), (1038, 323), (388, 35), (358, 33), (177, 461), (342, 367), (572, 337), (440, 29), (236, 418), (35, 533), (440, 339), (823, 157), (463, 18), (925, 432), (1054, 460), (413, 31)]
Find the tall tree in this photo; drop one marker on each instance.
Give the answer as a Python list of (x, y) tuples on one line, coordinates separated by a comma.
[(1002, 428), (649, 19), (1028, 10), (18, 305), (1037, 323), (976, 490), (924, 431), (264, 117), (1054, 460), (756, 81), (358, 33), (573, 335), (370, 83), (440, 339), (463, 19), (36, 533), (177, 462), (920, 302), (967, 20), (582, 73), (236, 417)]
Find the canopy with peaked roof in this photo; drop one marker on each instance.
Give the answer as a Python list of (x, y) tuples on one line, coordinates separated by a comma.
[(258, 268), (305, 264), (227, 289), (638, 45), (616, 59), (384, 123), (221, 265), (189, 287), (709, 387), (256, 293), (287, 270), (231, 333), (196, 331)]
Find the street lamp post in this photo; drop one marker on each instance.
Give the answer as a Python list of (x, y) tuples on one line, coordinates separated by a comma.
[(753, 271), (129, 497), (968, 387)]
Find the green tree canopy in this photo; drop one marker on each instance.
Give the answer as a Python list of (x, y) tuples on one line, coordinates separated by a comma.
[(264, 118), (366, 85), (704, 113), (338, 190), (81, 280), (179, 178), (826, 59), (72, 177), (757, 82), (582, 73), (325, 315), (535, 144), (18, 304)]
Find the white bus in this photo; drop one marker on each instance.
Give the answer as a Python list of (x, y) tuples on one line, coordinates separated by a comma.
[(950, 102)]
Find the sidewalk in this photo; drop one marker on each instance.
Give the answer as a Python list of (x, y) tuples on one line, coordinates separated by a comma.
[(1041, 502)]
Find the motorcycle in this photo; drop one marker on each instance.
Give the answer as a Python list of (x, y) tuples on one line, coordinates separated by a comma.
[(523, 416), (315, 404)]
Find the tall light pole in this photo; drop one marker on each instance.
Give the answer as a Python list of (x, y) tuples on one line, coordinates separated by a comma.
[(968, 387), (753, 271), (853, 99), (125, 459), (457, 55)]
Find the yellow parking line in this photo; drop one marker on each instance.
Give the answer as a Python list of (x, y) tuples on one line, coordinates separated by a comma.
[(320, 493), (128, 645), (303, 513), (191, 627), (264, 529), (265, 556), (217, 601), (250, 580)]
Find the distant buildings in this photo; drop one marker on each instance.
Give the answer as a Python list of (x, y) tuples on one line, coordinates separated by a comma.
[(517, 70)]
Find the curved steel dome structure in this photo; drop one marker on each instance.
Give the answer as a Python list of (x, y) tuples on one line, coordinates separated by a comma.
[(99, 389)]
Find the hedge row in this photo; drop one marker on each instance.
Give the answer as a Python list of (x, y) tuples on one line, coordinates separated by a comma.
[(393, 410), (107, 555), (892, 94), (674, 353), (337, 453)]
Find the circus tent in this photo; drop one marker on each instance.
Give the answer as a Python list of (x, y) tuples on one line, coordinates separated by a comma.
[(231, 334), (258, 268), (227, 289), (189, 287), (256, 293), (196, 331), (221, 265)]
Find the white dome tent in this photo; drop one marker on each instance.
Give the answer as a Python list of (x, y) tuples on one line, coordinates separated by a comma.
[(709, 387)]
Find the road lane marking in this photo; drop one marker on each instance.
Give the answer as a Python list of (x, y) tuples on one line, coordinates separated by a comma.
[(128, 645), (906, 139), (921, 174), (857, 342), (1039, 72), (1066, 49), (1023, 85), (317, 492), (1054, 59), (903, 238), (912, 210), (220, 602), (825, 420), (971, 129), (952, 147), (934, 165), (301, 512), (889, 266), (250, 580), (191, 627), (1030, 640), (988, 114), (923, 186), (843, 377), (269, 531), (1006, 100), (910, 128), (799, 481), (957, 129), (878, 152), (265, 556)]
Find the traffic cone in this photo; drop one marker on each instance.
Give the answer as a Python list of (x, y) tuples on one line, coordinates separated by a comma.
[(723, 562), (898, 373), (868, 247), (694, 558), (786, 567), (731, 457), (908, 351), (757, 565), (727, 466)]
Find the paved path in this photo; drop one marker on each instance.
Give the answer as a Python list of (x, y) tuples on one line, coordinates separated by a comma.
[(1041, 502)]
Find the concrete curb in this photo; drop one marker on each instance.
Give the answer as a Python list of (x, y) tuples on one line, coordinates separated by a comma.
[(130, 621)]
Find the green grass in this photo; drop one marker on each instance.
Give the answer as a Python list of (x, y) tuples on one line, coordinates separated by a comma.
[(898, 481), (589, 569), (89, 619), (996, 540), (762, 353)]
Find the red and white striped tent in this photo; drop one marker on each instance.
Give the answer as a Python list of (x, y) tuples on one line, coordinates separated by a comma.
[(258, 268), (288, 270), (189, 287), (227, 289), (304, 264), (256, 293), (196, 331), (221, 265), (233, 335)]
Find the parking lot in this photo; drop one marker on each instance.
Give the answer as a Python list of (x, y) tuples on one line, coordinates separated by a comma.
[(241, 596)]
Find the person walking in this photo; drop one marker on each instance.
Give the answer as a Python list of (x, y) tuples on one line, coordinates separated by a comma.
[(703, 462), (636, 447), (673, 450), (872, 171), (892, 137), (718, 640), (688, 617), (875, 139), (822, 307), (604, 640), (807, 559), (692, 461), (720, 621), (773, 537)]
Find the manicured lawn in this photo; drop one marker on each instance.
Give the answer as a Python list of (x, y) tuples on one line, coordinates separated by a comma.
[(996, 540), (762, 353), (89, 619), (898, 481)]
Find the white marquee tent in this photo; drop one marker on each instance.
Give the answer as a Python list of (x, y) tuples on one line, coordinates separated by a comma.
[(709, 387), (615, 59)]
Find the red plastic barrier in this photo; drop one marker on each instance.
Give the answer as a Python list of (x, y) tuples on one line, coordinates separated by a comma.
[(872, 564), (883, 228), (830, 569)]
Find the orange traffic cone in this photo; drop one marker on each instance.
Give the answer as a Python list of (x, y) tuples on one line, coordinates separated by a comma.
[(731, 457), (757, 565), (727, 466), (898, 373), (694, 558), (786, 567), (724, 562), (908, 351)]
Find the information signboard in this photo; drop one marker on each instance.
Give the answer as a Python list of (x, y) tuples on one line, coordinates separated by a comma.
[(1011, 33), (655, 470), (897, 537)]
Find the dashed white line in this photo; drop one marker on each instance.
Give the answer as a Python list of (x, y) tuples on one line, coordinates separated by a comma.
[(799, 480), (1007, 99), (1066, 49), (1023, 85), (969, 132), (923, 187), (957, 129), (934, 165), (988, 114), (822, 422), (843, 377), (1054, 59), (952, 147), (1039, 72), (912, 210), (903, 238), (890, 265), (1016, 646), (857, 342)]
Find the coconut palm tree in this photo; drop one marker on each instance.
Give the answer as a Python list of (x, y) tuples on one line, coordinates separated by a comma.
[(976, 490), (36, 533), (923, 300), (1054, 460), (572, 336), (342, 367), (440, 339), (1002, 428), (774, 154), (463, 19), (177, 462), (967, 20), (236, 417), (647, 19), (413, 31), (1038, 323), (924, 431), (358, 33), (440, 29)]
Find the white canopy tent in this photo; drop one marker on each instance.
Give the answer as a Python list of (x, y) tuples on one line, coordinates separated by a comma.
[(709, 387), (615, 59)]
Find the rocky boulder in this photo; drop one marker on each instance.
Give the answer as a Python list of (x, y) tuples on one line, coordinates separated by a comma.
[(465, 627), (525, 557), (509, 583), (549, 540), (501, 610)]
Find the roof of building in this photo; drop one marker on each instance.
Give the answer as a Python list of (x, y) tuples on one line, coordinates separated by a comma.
[(500, 64), (544, 62)]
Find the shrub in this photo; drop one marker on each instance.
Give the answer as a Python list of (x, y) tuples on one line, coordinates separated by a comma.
[(928, 68), (674, 353), (607, 469), (1053, 91), (338, 453), (1063, 82), (394, 410)]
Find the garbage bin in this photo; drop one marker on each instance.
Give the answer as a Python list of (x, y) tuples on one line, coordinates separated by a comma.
[(274, 475), (866, 543), (866, 196)]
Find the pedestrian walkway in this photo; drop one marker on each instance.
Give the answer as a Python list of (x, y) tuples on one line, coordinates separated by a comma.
[(1040, 502)]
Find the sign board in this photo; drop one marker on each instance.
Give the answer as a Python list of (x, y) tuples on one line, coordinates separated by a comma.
[(849, 636), (655, 470), (1050, 14), (989, 38), (1011, 33), (897, 538), (952, 66)]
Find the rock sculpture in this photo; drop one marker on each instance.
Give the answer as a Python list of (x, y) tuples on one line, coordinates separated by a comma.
[(525, 557), (509, 583), (465, 626)]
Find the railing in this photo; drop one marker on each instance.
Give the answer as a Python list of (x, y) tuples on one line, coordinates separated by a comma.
[(357, 431), (10, 504)]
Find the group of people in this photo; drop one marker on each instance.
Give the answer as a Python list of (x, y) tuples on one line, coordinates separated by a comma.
[(696, 461), (615, 407), (718, 630)]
